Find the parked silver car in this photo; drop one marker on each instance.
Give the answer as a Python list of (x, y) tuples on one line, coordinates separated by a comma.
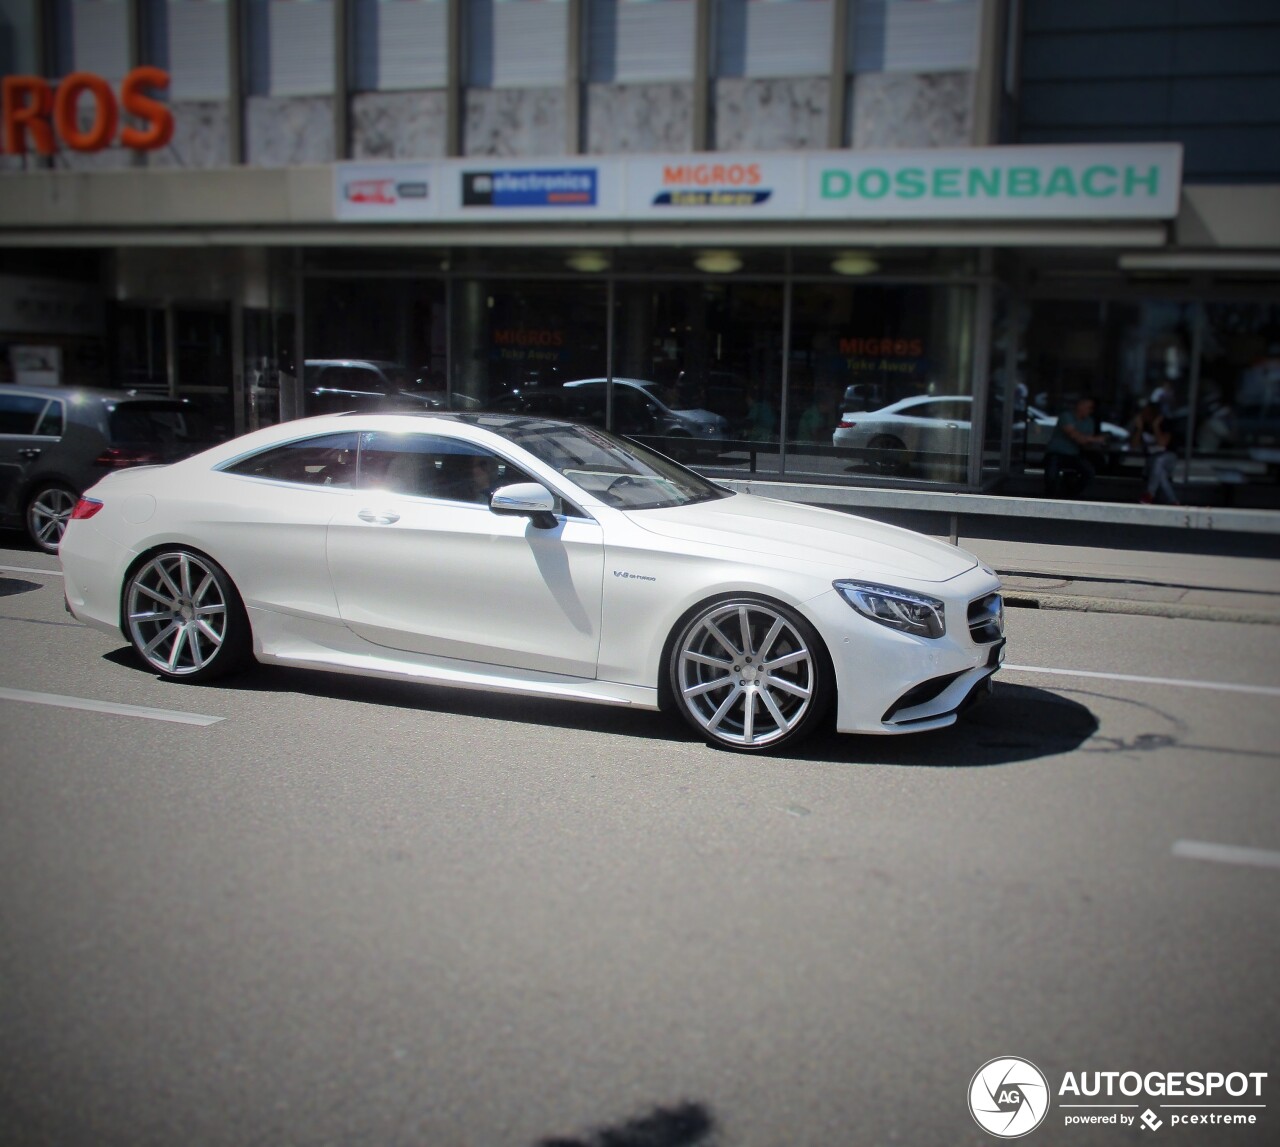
[(56, 441)]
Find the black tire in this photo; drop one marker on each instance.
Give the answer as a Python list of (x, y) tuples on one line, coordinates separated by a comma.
[(184, 617), (48, 510), (749, 674), (891, 454)]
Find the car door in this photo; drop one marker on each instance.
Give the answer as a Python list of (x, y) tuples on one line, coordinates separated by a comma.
[(30, 425), (939, 428), (420, 563)]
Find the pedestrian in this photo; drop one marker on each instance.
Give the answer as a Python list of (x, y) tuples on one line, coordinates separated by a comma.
[(1066, 467), (1149, 432)]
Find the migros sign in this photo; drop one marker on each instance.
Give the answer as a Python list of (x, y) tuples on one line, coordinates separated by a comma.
[(35, 113)]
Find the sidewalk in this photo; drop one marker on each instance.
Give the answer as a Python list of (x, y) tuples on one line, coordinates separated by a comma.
[(1208, 586)]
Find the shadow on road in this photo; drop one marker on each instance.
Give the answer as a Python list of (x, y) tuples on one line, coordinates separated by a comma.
[(1017, 723)]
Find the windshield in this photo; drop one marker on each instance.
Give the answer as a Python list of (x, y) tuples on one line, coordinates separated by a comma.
[(616, 472)]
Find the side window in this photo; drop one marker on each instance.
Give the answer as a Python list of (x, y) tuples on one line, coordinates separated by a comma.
[(51, 421), (431, 466), (19, 413), (329, 460)]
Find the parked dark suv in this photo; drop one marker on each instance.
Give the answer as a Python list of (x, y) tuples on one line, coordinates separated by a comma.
[(56, 441)]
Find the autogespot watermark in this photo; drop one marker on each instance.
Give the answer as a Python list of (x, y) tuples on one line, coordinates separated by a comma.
[(1010, 1097)]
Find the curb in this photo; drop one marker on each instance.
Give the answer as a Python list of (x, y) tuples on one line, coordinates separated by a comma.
[(1021, 600)]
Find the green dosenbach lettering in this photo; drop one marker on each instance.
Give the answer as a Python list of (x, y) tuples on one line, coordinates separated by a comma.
[(1099, 181)]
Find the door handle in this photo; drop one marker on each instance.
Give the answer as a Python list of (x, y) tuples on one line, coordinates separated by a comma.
[(30, 452), (381, 518)]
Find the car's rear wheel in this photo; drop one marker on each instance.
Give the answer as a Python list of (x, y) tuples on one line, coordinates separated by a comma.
[(890, 455), (750, 674), (185, 618), (48, 512)]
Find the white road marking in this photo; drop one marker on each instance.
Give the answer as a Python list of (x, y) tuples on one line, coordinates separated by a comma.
[(174, 716), (1226, 853), (30, 569), (1178, 682)]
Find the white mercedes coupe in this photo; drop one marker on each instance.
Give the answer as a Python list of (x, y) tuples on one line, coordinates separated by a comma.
[(525, 555)]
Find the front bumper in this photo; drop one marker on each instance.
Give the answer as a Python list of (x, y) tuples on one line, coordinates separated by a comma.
[(890, 682)]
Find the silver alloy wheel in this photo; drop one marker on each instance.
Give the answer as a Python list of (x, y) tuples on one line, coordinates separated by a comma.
[(745, 675), (48, 514), (177, 613)]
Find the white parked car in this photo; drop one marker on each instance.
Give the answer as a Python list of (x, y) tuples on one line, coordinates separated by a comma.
[(531, 556), (928, 426)]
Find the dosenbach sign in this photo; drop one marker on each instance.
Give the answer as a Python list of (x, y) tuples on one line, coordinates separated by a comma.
[(1061, 182), (36, 114)]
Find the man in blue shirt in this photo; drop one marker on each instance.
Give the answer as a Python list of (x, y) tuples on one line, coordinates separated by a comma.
[(1064, 456)]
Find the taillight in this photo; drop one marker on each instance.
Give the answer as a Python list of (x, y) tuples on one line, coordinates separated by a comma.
[(845, 424), (121, 457), (85, 508)]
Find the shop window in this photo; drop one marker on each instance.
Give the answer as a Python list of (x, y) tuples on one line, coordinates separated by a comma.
[(373, 338), (880, 381), (138, 357), (1211, 370)]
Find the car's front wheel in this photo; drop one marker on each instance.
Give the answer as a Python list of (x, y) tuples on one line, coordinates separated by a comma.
[(750, 674), (185, 618), (48, 511)]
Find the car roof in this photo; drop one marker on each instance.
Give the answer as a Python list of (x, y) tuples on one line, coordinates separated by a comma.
[(101, 392)]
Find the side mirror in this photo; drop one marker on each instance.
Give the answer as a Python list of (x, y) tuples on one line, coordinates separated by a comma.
[(526, 500)]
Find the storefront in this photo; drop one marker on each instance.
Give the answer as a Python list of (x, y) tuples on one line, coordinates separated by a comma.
[(830, 317)]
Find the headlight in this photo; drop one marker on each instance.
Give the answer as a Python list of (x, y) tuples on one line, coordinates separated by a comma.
[(896, 608)]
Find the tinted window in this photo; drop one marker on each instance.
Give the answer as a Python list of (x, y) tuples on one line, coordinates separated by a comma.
[(158, 423), (19, 413), (328, 460), (430, 466), (51, 421)]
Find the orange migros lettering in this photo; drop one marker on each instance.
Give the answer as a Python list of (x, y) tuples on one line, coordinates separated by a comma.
[(34, 113)]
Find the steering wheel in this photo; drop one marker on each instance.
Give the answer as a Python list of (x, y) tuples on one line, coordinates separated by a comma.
[(622, 482)]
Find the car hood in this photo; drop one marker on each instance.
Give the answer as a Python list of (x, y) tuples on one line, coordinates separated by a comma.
[(807, 536), (697, 414)]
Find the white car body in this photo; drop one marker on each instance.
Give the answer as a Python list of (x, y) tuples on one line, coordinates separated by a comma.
[(940, 424), (367, 581)]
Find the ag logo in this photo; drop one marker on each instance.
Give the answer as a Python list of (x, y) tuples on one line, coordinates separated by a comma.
[(1009, 1097)]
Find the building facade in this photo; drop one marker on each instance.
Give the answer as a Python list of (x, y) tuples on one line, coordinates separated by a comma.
[(786, 212)]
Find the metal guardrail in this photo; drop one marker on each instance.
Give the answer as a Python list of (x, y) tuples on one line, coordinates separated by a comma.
[(957, 505)]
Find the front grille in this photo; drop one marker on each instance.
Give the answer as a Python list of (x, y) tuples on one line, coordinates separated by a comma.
[(986, 619)]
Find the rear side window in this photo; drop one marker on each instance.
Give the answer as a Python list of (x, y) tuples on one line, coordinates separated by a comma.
[(158, 423), (327, 460), (19, 413), (51, 421)]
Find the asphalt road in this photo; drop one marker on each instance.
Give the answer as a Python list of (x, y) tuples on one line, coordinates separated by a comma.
[(352, 912)]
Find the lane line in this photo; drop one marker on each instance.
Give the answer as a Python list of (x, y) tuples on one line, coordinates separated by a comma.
[(1226, 854), (30, 569), (175, 716), (1181, 683)]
